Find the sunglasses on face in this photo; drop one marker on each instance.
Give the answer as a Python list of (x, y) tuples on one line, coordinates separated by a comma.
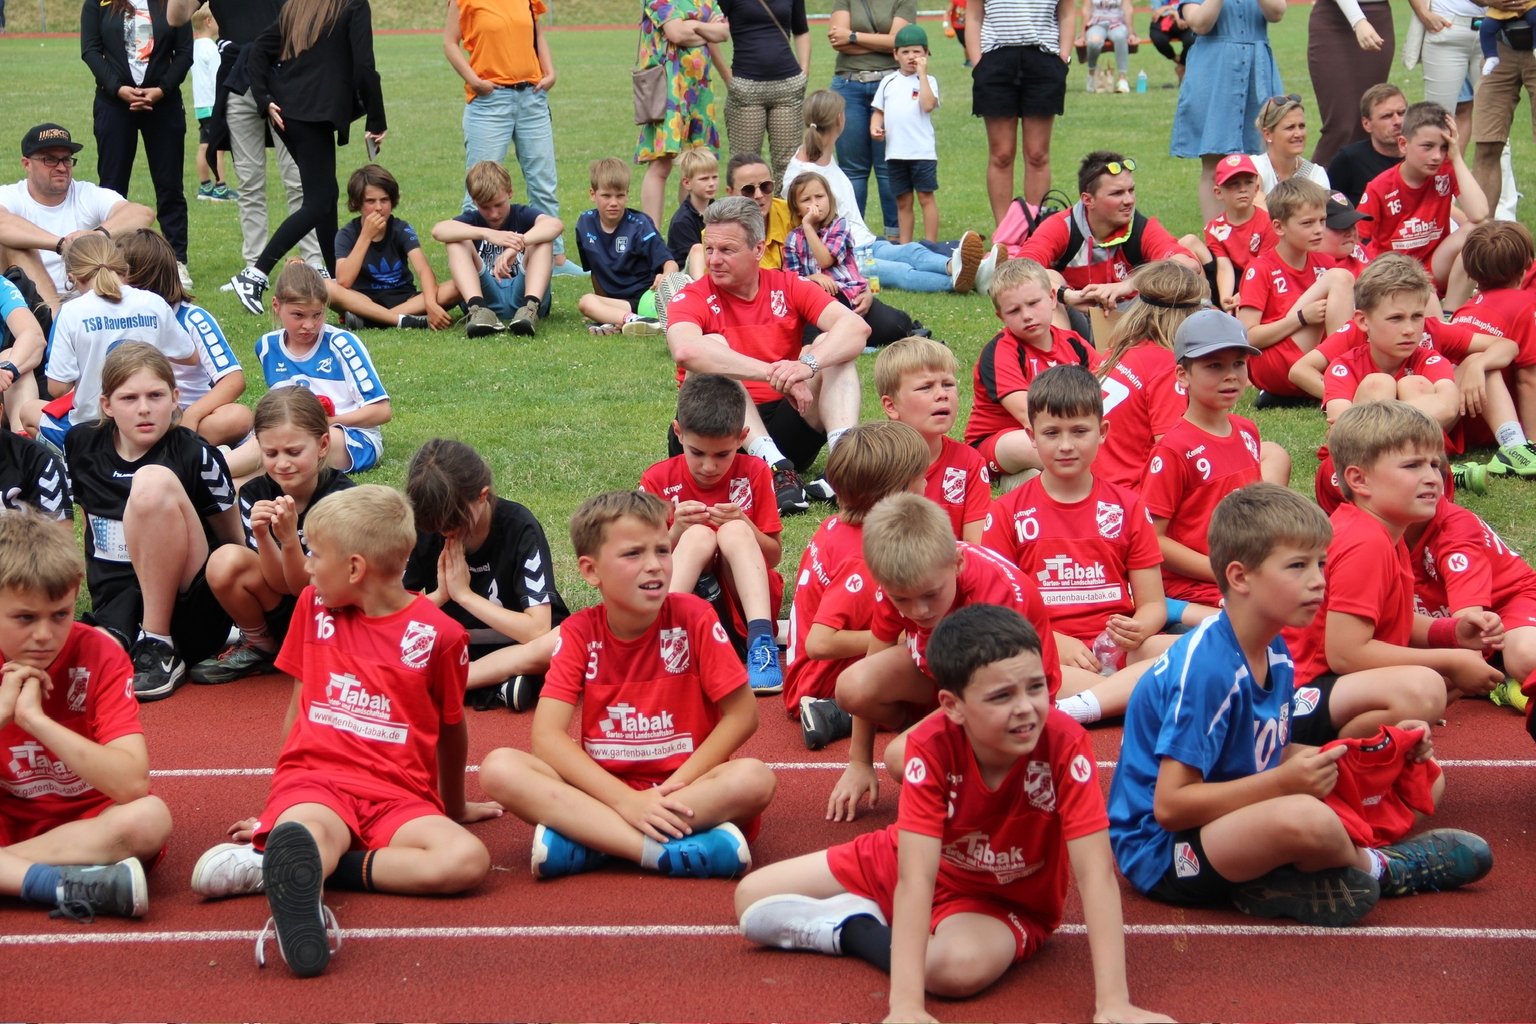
[(749, 190)]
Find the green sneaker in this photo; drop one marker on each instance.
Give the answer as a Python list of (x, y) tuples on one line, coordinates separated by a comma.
[(237, 662), (1471, 476), (1517, 459), (1507, 695), (222, 193), (205, 191), (1442, 858)]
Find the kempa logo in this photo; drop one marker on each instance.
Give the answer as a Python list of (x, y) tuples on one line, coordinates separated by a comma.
[(917, 771), (973, 852)]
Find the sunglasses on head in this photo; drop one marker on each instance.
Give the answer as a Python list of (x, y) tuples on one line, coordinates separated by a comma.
[(1116, 166), (1280, 101), (749, 190)]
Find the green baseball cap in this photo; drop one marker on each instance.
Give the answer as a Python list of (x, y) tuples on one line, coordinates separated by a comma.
[(911, 35)]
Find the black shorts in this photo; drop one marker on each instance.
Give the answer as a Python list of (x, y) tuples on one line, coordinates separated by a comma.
[(279, 618), (199, 625), (204, 130), (1190, 881), (1311, 718), (913, 176), (798, 440), (389, 299), (1019, 81)]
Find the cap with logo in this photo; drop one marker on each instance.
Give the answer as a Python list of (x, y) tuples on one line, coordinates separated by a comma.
[(48, 136), (1342, 214), (1231, 166), (1210, 330), (910, 35)]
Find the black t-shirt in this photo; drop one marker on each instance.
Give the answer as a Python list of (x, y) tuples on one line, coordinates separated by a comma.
[(241, 21), (264, 488), (685, 232), (759, 51), (519, 218), (1355, 166), (387, 267), (102, 478), (512, 569), (33, 477)]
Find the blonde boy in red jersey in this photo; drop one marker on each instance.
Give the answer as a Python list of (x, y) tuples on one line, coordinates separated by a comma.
[(1497, 255)]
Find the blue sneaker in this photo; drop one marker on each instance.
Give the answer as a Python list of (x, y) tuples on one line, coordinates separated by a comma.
[(570, 268), (721, 852), (555, 856), (763, 671), (1433, 861)]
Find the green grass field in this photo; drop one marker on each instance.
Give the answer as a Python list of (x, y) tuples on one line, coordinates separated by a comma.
[(565, 415)]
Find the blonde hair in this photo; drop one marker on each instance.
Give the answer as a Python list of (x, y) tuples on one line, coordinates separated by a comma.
[(299, 283), (36, 557), (126, 360), (1390, 274), (906, 540), (872, 461), (610, 173), (487, 182), (1167, 294), (1291, 196), (1272, 113), (697, 160), (792, 196), (370, 520), (911, 355), (1014, 274), (822, 111), (1252, 521), (590, 522), (95, 262), (1368, 431)]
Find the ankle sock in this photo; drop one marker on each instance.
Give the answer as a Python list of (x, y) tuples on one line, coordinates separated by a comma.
[(475, 301), (1378, 864), (145, 634), (834, 436), (650, 854), (261, 639), (1083, 707), (354, 871), (759, 627), (865, 937), (764, 448), (1510, 435), (40, 884)]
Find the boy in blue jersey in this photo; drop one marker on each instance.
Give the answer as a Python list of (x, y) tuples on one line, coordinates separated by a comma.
[(625, 254), (1206, 808)]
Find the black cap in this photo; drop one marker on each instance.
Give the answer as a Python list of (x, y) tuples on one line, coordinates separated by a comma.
[(48, 136), (1342, 214)]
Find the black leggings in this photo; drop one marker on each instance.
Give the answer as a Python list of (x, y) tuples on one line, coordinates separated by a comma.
[(164, 127), (313, 146), (1164, 41)]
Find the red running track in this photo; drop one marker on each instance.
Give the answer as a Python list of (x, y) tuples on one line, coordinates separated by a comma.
[(558, 950)]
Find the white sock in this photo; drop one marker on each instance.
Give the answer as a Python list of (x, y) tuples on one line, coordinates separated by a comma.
[(1490, 64), (834, 436), (650, 856), (1378, 863), (1082, 707), (146, 634), (765, 449), (1510, 435)]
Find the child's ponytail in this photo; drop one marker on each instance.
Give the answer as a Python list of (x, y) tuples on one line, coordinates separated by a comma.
[(95, 261), (822, 112)]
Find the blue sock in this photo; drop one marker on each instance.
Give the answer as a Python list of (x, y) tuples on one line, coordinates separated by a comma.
[(1176, 610), (759, 627), (41, 884)]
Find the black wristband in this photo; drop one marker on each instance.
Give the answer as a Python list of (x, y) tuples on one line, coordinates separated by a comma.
[(1299, 318), (1061, 294), (58, 247), (102, 230)]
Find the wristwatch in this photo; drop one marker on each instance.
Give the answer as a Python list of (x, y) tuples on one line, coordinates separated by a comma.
[(810, 360), (15, 373), (853, 37)]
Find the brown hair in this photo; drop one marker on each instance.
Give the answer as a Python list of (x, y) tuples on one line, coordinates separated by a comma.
[(378, 177), (152, 264), (1497, 254), (1368, 431), (303, 22), (823, 109), (444, 481), (906, 539), (36, 557), (1389, 274), (1423, 115), (299, 282), (871, 461), (487, 181), (1252, 521), (292, 405), (792, 194), (369, 520), (1378, 93), (589, 524), (1066, 391), (609, 173), (95, 261), (712, 406), (128, 359), (1167, 294)]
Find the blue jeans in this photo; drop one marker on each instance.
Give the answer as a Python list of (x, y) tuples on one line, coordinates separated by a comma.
[(1097, 35), (910, 268), (515, 117), (858, 154)]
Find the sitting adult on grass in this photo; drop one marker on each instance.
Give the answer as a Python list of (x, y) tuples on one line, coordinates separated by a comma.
[(748, 323), (375, 255)]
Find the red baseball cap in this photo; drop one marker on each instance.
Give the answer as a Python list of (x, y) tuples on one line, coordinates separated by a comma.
[(1231, 166)]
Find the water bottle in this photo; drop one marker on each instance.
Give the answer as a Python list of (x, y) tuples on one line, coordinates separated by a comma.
[(1141, 81), (867, 269), (1111, 657)]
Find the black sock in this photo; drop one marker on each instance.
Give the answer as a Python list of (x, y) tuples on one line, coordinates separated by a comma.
[(1210, 276), (869, 940), (760, 627), (355, 871), (475, 301), (533, 300)]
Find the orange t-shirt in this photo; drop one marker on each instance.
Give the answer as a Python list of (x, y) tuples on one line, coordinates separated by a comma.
[(499, 37)]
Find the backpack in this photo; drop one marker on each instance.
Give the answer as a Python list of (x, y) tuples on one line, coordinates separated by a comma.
[(1022, 220), (1131, 247)]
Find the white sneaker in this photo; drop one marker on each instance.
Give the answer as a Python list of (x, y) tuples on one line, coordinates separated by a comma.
[(1122, 86), (997, 256), (804, 922), (964, 261), (229, 869), (186, 277)]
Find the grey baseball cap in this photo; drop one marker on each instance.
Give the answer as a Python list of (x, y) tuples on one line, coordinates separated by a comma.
[(1210, 330)]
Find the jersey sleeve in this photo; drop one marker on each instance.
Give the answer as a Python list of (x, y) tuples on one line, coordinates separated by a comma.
[(999, 535), (534, 568), (1143, 551), (998, 370), (923, 805), (364, 376), (10, 299), (63, 361), (346, 238), (1366, 568), (1461, 559), (1436, 368), (720, 671), (878, 102), (655, 247), (1162, 486), (765, 506), (450, 672), (848, 602), (691, 305), (98, 202), (111, 708), (213, 349), (521, 218), (886, 624), (1255, 288), (1048, 242), (1079, 800), (568, 665), (1217, 246), (49, 482), (653, 480), (1166, 399), (1370, 204), (1339, 382), (174, 341), (420, 569), (978, 493), (212, 491), (808, 299), (405, 237), (1194, 731), (290, 658), (1454, 341), (1158, 244)]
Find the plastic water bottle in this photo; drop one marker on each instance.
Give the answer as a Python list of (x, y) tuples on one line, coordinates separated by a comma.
[(867, 268), (1141, 81), (1111, 657)]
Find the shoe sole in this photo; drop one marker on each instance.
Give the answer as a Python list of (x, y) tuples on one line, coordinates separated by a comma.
[(521, 328), (293, 872), (214, 677), (139, 886), (524, 692), (971, 252), (769, 690), (1344, 899), (479, 331), (540, 853), (789, 508), (635, 329), (743, 850), (178, 677), (202, 865)]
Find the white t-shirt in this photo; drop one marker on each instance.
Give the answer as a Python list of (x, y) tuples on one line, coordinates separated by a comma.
[(908, 127), (85, 206), (1268, 180), (88, 327), (842, 191), (138, 39), (205, 72)]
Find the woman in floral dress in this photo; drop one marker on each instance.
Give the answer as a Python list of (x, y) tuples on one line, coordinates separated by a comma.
[(682, 36)]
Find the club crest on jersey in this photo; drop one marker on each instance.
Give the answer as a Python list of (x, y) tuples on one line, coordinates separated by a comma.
[(79, 684), (1185, 863), (1253, 243), (1039, 786), (954, 485), (1111, 518), (674, 649), (1251, 443), (416, 644), (1442, 184), (1306, 700), (741, 492), (776, 303)]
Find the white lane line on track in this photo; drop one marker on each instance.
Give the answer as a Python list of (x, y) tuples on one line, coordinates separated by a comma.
[(729, 931)]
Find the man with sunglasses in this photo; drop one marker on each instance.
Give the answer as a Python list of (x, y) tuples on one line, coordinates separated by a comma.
[(1092, 249), (48, 209)]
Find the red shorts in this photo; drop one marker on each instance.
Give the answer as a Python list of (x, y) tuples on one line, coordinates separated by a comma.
[(19, 830), (867, 867), (987, 446), (1270, 370), (373, 813), (1187, 588), (1518, 611)]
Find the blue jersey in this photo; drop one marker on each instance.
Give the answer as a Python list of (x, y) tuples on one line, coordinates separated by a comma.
[(625, 261), (10, 299), (215, 358), (338, 367), (1194, 705)]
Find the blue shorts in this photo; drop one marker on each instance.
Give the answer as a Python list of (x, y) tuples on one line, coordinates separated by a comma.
[(913, 176), (52, 430), (363, 447), (505, 295)]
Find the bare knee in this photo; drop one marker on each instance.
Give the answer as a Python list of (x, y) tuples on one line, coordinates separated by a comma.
[(856, 691), (228, 565), (154, 489), (956, 973), (462, 864), (1420, 695), (145, 826), (753, 784), (504, 773)]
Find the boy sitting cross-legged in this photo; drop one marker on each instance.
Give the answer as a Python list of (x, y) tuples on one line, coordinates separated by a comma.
[(725, 520), (1215, 799), (664, 704), (1000, 795), (77, 819), (369, 789), (624, 252)]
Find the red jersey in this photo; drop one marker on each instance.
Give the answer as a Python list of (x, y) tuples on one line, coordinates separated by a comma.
[(1007, 365), (1368, 576), (1355, 262), (93, 696), (1379, 789), (1143, 400), (1008, 843), (646, 704), (375, 693), (1460, 562), (1080, 554), (769, 328), (1241, 243), (833, 543), (1454, 341), (847, 604), (1504, 313), (985, 577), (1272, 285), (1093, 263), (1189, 473), (748, 484), (1343, 376), (958, 484), (1412, 221)]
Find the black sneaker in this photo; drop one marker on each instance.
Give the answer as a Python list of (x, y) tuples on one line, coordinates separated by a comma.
[(483, 321), (1442, 858), (708, 588), (788, 489), (294, 878), (415, 322), (1270, 400), (1327, 899), (158, 670), (249, 286), (353, 322), (525, 321), (522, 692), (88, 890), (821, 490), (236, 662), (823, 722)]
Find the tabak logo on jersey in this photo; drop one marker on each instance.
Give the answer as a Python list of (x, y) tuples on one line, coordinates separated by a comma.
[(34, 774), (973, 852), (347, 691), (1063, 570), (79, 686), (741, 492), (416, 644), (954, 485), (1039, 786), (674, 650), (1416, 232), (1111, 518), (1251, 443), (627, 720)]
